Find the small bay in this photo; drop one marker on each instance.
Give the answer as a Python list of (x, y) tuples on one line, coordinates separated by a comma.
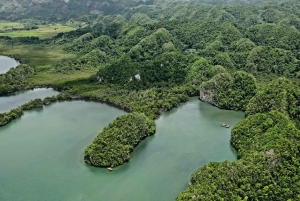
[(41, 153), (6, 63)]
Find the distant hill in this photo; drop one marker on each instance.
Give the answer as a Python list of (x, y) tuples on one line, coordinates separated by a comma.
[(60, 10), (63, 10)]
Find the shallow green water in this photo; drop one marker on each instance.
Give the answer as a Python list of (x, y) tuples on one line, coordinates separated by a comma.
[(41, 153), (6, 63), (16, 99)]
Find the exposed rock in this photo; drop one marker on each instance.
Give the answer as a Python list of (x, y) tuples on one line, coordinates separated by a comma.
[(207, 95), (100, 79), (275, 162), (138, 77), (271, 152)]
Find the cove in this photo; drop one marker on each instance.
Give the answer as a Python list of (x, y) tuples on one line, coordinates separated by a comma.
[(19, 98), (41, 153), (6, 63)]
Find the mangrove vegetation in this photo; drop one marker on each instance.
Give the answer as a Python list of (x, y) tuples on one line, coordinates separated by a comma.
[(7, 117), (149, 56), (113, 145)]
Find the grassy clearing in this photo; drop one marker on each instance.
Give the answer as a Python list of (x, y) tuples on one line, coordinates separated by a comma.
[(43, 32), (44, 78), (43, 59), (35, 56), (4, 25)]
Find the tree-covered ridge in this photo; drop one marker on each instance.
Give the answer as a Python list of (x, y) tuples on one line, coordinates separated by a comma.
[(7, 117), (229, 91), (64, 10), (245, 15), (60, 10), (164, 54), (113, 145), (267, 146), (281, 95), (79, 13), (137, 49)]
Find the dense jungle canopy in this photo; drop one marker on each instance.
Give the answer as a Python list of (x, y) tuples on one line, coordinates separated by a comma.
[(148, 56)]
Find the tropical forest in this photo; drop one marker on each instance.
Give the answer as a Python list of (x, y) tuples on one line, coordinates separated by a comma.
[(146, 59)]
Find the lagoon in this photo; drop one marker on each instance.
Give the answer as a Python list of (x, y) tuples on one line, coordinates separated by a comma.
[(41, 153), (6, 63)]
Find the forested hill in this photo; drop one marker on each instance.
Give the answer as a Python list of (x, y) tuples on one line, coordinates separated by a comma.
[(60, 10), (200, 49), (64, 10), (150, 56)]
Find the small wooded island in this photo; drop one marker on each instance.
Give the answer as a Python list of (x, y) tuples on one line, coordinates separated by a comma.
[(147, 57), (113, 145)]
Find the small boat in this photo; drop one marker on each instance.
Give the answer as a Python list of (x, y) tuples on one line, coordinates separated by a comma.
[(223, 125), (227, 126), (110, 169)]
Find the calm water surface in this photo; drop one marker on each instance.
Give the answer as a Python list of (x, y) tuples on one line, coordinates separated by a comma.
[(19, 98), (41, 153), (6, 63)]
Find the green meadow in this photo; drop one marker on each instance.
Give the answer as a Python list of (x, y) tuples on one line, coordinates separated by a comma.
[(42, 59), (4, 25), (43, 31)]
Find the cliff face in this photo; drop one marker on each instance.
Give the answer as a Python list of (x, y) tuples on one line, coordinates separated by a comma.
[(229, 91), (207, 95)]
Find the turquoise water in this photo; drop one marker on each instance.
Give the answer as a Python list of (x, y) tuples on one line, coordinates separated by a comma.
[(19, 98), (6, 63), (41, 153)]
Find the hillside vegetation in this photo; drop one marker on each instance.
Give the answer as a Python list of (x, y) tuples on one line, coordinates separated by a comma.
[(149, 56), (265, 171)]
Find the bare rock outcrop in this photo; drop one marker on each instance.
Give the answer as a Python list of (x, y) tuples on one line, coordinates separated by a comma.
[(207, 95)]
